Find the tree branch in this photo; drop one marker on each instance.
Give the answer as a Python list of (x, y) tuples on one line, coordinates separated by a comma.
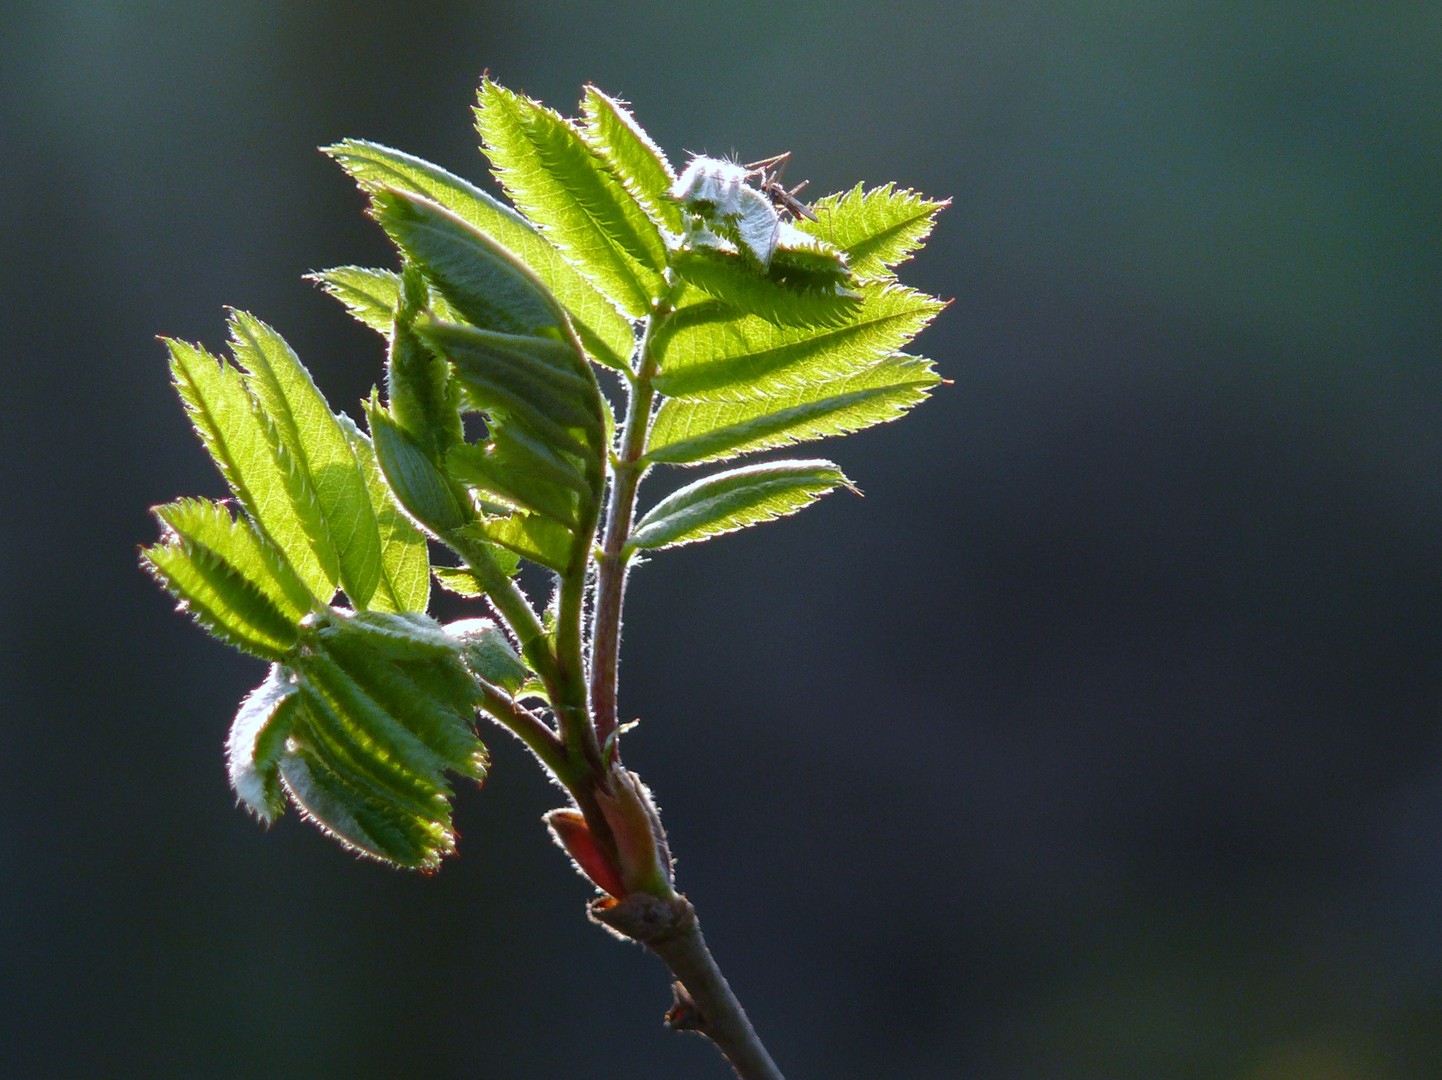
[(704, 1001)]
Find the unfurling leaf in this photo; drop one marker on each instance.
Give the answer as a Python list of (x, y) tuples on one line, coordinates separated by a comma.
[(375, 707), (733, 500), (257, 743)]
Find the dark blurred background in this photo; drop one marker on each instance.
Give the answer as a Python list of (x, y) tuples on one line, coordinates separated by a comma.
[(1100, 740)]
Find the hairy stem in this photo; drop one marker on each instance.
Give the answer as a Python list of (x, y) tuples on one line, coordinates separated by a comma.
[(626, 472), (704, 1001), (527, 727)]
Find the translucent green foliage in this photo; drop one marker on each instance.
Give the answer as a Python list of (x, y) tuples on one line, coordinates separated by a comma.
[(405, 563), (735, 331), (483, 281), (731, 279), (558, 181), (708, 352), (248, 451), (688, 431), (634, 159), (733, 500), (369, 295), (325, 456), (488, 652), (372, 711), (229, 577), (604, 331), (878, 228)]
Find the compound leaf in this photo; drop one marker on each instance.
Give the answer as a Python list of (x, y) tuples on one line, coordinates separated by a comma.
[(733, 500)]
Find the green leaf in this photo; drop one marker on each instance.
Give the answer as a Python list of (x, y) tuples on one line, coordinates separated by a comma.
[(364, 740), (560, 183), (317, 445), (707, 352), (543, 540), (199, 523), (430, 698), (535, 381), (427, 493), (423, 398), (733, 500), (483, 281), (878, 228), (387, 635), (358, 819), (633, 157), (255, 464), (405, 561), (604, 331), (686, 432), (369, 295), (509, 478), (459, 580), (257, 741), (731, 279), (488, 652), (221, 597)]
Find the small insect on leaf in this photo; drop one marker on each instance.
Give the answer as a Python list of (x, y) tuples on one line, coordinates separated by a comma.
[(768, 172)]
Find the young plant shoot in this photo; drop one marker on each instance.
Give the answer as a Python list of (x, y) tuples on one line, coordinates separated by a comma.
[(732, 319)]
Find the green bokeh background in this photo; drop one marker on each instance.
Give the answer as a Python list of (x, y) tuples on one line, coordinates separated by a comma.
[(1100, 740)]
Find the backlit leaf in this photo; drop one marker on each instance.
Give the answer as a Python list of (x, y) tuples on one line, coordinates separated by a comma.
[(221, 598), (320, 451), (690, 431), (634, 158), (605, 332), (733, 500), (561, 184), (707, 352), (878, 228), (257, 467)]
